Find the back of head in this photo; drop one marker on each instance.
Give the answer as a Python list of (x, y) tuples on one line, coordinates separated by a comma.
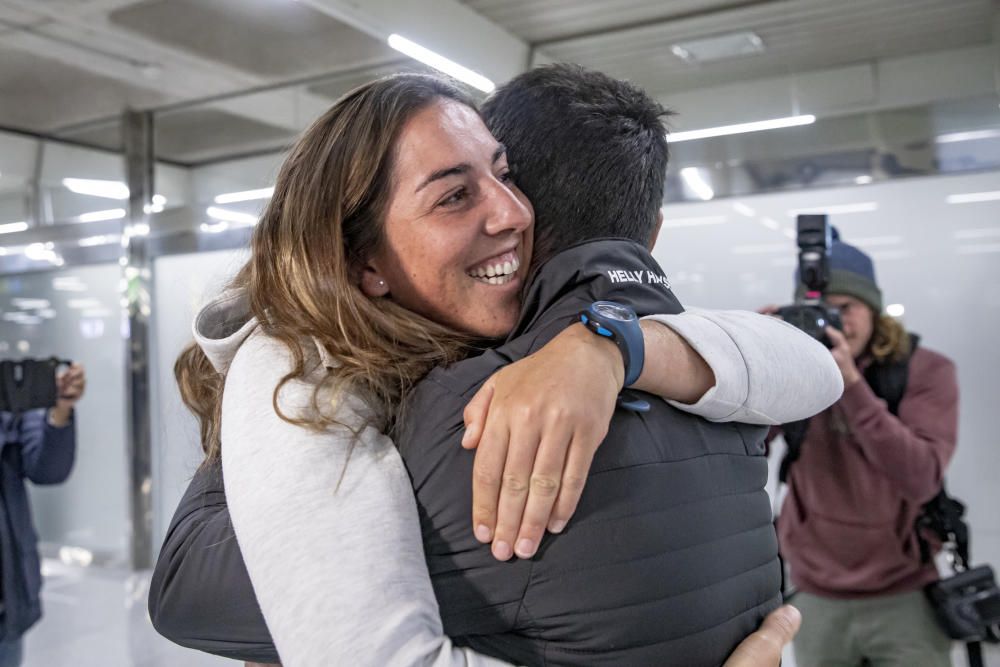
[(589, 151)]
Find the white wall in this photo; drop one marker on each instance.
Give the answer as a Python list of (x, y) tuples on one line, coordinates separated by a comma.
[(940, 260)]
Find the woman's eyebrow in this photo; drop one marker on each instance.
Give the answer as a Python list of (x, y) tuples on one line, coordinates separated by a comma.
[(443, 173), (458, 169)]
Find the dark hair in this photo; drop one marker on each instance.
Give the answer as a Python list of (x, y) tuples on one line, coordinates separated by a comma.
[(589, 151), (324, 220)]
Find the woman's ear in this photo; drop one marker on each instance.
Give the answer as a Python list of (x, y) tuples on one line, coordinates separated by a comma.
[(372, 283)]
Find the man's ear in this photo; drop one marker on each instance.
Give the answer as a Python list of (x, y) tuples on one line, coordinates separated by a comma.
[(656, 230), (372, 283)]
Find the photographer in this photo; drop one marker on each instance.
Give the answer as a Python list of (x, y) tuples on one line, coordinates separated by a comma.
[(856, 483), (38, 445)]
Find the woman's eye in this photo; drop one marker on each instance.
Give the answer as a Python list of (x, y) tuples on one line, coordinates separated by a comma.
[(507, 177), (455, 198)]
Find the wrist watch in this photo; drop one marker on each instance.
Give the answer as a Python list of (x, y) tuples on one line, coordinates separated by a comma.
[(620, 324)]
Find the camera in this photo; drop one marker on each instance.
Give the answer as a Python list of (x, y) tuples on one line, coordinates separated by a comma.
[(811, 313), (29, 384), (968, 605)]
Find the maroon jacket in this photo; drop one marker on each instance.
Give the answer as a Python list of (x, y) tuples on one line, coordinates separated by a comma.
[(847, 524)]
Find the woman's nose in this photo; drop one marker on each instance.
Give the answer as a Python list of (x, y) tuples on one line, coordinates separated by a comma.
[(508, 212)]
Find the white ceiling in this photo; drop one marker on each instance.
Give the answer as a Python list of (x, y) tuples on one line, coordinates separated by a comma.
[(67, 63)]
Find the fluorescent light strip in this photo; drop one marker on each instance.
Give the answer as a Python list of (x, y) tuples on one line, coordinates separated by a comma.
[(743, 209), (694, 222), (11, 227), (973, 135), (31, 304), (214, 228), (439, 62), (982, 232), (244, 195), (760, 248), (693, 179), (862, 207), (869, 241), (96, 188), (895, 310), (231, 216), (770, 223), (978, 249), (889, 254), (68, 284), (98, 216), (39, 251), (82, 304), (973, 197), (741, 128)]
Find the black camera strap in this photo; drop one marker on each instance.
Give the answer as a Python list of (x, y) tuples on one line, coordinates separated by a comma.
[(888, 382)]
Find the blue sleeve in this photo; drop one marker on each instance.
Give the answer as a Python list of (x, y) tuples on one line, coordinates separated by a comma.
[(47, 452)]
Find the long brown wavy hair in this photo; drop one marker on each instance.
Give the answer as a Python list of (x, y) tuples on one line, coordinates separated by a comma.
[(323, 222), (890, 342)]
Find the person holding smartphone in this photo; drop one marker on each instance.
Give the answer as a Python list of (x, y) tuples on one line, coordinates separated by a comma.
[(38, 445)]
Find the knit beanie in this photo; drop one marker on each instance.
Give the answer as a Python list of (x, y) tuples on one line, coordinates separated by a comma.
[(851, 272)]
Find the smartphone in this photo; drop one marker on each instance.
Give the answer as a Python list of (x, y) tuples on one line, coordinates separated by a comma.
[(29, 384)]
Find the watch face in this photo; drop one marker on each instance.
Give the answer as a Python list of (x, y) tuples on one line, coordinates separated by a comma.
[(613, 311)]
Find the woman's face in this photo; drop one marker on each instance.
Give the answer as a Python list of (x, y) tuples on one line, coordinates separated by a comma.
[(457, 239)]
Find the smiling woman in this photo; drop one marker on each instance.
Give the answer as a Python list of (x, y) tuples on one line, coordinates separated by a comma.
[(334, 258), (457, 229)]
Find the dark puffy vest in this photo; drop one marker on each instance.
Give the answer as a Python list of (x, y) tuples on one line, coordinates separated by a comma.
[(671, 557)]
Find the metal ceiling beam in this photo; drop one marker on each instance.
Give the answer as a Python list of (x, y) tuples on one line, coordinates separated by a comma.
[(446, 27), (736, 5), (68, 37)]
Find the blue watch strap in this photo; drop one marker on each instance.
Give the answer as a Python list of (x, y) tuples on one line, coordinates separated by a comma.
[(623, 329)]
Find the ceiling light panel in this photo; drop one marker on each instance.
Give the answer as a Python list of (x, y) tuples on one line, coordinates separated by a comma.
[(718, 47)]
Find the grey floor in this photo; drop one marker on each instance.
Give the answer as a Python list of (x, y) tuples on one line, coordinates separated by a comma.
[(97, 618)]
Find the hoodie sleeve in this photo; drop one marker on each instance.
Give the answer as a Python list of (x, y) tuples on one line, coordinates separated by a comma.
[(766, 370), (913, 449), (328, 527)]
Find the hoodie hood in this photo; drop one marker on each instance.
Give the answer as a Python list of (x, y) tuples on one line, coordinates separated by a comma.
[(223, 324)]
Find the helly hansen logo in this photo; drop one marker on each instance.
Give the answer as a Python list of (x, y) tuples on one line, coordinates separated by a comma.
[(642, 276)]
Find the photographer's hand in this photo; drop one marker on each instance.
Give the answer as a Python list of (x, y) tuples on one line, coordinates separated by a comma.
[(842, 355), (70, 386), (763, 648)]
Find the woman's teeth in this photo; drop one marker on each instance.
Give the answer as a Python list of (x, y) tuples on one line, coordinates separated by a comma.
[(498, 273)]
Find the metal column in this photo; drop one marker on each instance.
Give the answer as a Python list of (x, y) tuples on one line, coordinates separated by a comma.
[(137, 131)]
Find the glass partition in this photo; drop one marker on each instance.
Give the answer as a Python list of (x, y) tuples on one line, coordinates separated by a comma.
[(936, 247), (74, 314)]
